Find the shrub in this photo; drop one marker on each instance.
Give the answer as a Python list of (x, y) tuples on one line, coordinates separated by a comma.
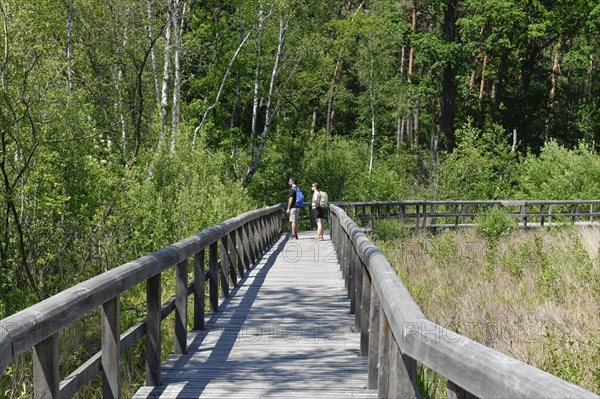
[(494, 224)]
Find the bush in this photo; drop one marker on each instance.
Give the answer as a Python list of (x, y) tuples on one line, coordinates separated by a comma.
[(494, 224)]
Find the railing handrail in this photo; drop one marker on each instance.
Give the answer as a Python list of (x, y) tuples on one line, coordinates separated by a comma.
[(477, 369), (29, 327)]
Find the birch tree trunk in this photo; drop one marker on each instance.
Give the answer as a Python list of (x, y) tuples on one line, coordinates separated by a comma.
[(255, 102), (69, 49), (152, 52), (164, 102), (332, 96), (268, 113), (119, 103), (372, 101), (178, 21), (214, 104)]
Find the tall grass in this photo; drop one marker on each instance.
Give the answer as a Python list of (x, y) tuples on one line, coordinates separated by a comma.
[(534, 295)]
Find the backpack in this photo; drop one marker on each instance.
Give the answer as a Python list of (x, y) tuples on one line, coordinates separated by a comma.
[(299, 197), (324, 202)]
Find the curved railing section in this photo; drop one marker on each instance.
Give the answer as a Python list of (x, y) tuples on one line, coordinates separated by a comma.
[(463, 213), (239, 242), (395, 334)]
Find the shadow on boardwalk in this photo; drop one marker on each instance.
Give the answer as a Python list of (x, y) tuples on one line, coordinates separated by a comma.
[(285, 331)]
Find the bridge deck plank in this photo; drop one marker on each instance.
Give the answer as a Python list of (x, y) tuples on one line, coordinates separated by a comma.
[(286, 331)]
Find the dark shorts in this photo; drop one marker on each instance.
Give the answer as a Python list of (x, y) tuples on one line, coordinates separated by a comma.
[(318, 213)]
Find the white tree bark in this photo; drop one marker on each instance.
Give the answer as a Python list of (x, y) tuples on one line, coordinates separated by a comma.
[(372, 101), (164, 102), (269, 112), (69, 49), (178, 22), (256, 81), (214, 104), (119, 101), (152, 52)]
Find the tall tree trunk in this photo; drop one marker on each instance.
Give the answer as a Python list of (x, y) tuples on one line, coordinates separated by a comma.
[(119, 103), (486, 58), (69, 49), (372, 101), (269, 106), (152, 52), (449, 80), (416, 125), (178, 22), (220, 91), (333, 95), (411, 55), (255, 102), (313, 125), (164, 96)]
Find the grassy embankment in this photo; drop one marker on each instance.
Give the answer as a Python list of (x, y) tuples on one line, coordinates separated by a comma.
[(534, 295)]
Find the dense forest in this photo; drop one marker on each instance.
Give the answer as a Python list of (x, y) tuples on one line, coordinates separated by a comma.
[(128, 125)]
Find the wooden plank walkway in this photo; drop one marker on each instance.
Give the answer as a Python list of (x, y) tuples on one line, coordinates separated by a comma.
[(285, 332)]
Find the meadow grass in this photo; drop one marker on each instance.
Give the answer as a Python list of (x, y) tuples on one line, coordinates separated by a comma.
[(531, 294)]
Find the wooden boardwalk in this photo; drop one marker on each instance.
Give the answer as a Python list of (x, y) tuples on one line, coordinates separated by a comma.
[(285, 332)]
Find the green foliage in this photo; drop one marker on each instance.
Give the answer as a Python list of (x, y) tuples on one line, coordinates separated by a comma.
[(481, 167), (386, 230), (560, 173), (494, 224)]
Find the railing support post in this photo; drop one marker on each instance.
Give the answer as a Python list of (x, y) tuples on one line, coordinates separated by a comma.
[(199, 289), (181, 283), (111, 349), (213, 277), (403, 374), (365, 310), (374, 316), (153, 293), (385, 350), (453, 391), (46, 376)]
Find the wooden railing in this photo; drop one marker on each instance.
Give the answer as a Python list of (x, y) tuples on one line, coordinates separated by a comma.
[(240, 242), (395, 335), (463, 213)]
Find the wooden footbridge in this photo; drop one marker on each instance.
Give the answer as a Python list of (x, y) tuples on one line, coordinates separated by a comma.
[(286, 318)]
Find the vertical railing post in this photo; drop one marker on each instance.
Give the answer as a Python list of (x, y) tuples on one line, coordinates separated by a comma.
[(453, 391), (416, 216), (181, 283), (550, 213), (403, 374), (403, 213), (374, 316), (365, 310), (239, 249), (111, 348), (524, 215), (456, 215), (542, 215), (358, 284), (385, 350), (591, 213), (350, 271), (46, 375), (199, 289), (153, 293), (233, 264), (213, 277), (574, 213), (224, 276), (250, 242)]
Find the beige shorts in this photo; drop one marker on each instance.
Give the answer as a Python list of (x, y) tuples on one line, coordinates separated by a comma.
[(294, 214)]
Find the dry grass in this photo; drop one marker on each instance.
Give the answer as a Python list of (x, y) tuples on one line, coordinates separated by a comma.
[(535, 295)]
